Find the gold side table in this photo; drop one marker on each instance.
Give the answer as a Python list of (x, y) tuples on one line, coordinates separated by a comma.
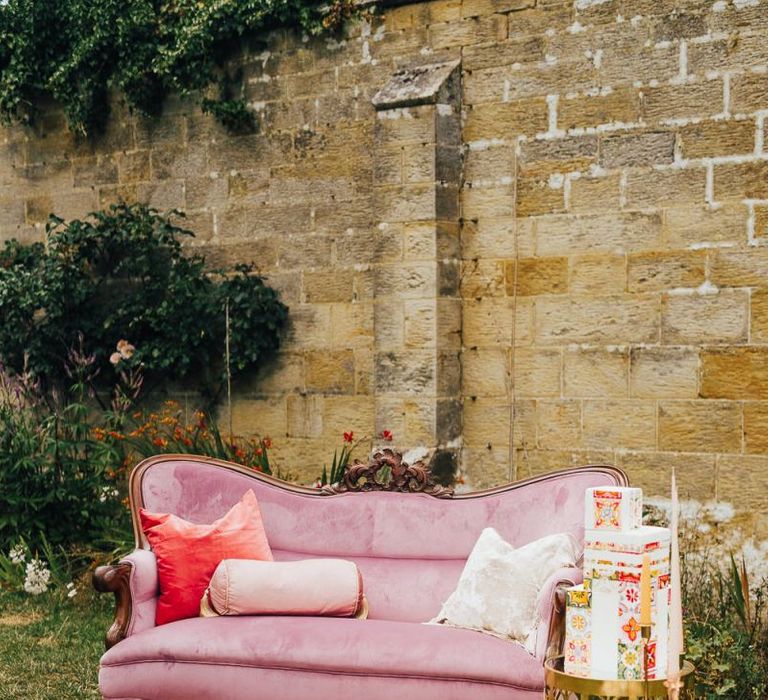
[(562, 686)]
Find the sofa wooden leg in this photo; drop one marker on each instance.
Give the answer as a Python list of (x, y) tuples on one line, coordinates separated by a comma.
[(116, 579)]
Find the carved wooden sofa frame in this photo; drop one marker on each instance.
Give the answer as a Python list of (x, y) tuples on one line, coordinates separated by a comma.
[(400, 508)]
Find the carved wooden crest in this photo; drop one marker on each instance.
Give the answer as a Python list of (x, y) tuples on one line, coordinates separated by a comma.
[(395, 475)]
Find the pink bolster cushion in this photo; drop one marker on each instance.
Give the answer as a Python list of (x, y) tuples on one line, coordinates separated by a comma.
[(324, 587)]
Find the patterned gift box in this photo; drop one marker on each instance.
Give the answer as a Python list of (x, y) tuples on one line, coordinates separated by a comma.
[(618, 509), (578, 632)]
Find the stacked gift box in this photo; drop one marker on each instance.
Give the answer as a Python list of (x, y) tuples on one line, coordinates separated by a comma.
[(603, 634)]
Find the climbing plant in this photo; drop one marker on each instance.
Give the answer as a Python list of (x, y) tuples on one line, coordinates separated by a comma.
[(119, 284), (79, 50)]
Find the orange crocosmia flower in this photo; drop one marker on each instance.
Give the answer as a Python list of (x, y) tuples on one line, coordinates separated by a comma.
[(160, 442)]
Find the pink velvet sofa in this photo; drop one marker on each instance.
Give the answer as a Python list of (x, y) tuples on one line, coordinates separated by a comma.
[(410, 548)]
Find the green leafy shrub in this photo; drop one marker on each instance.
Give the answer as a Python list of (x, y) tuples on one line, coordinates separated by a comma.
[(122, 275), (78, 50)]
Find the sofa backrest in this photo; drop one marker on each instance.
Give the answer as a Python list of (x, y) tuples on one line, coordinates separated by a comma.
[(410, 548)]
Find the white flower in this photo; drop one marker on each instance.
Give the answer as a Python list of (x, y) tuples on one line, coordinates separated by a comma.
[(17, 555), (108, 492), (38, 577), (71, 590)]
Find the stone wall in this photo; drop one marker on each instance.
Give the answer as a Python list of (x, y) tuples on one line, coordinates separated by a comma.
[(598, 294)]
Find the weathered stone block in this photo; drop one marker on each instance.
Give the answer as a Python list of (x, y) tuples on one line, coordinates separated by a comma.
[(739, 268), (659, 188), (516, 50), (692, 100), (559, 424), (473, 30), (546, 157), (718, 138), (474, 8), (716, 318), (330, 372), (659, 271), (481, 278), (536, 197), (749, 93), (652, 472), (411, 281), (756, 427), (743, 479), (406, 372), (489, 322), (534, 276), (498, 161), (537, 372), (759, 316), (495, 238), (506, 120), (420, 423), (659, 372), (592, 234), (305, 416), (693, 226), (734, 373), (582, 112), (485, 372), (408, 203), (699, 426), (309, 326), (405, 125), (590, 194), (352, 325), (598, 274), (164, 195), (331, 285), (494, 202), (98, 170), (486, 423), (595, 372), (347, 413), (304, 251), (615, 424), (621, 319), (741, 180), (637, 149), (265, 417)]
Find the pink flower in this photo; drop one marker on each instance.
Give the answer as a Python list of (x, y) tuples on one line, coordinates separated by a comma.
[(115, 358)]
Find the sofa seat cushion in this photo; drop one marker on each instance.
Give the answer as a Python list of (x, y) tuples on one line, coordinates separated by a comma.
[(164, 658)]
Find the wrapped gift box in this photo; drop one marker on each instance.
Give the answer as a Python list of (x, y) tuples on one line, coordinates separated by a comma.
[(578, 632), (603, 636), (618, 509)]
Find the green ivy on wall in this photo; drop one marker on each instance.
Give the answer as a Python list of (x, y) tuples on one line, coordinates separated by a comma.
[(79, 50)]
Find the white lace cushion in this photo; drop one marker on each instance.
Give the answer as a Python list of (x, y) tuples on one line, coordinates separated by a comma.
[(499, 587)]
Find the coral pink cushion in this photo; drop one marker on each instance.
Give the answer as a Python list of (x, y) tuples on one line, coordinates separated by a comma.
[(188, 554), (325, 587)]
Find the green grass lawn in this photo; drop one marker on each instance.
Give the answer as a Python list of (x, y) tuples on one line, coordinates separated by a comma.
[(49, 647)]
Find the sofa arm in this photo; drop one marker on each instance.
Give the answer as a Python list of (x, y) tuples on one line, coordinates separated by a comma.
[(134, 582), (551, 628)]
